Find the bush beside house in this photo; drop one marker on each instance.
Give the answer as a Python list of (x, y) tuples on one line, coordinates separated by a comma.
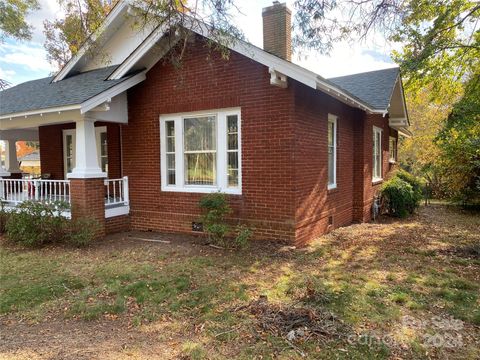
[(36, 224), (402, 194)]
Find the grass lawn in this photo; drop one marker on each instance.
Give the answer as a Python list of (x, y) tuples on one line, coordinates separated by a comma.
[(396, 289)]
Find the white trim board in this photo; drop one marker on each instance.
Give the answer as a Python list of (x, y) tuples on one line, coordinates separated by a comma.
[(117, 211)]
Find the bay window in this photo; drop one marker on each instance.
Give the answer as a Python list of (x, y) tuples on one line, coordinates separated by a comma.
[(200, 152), (377, 154)]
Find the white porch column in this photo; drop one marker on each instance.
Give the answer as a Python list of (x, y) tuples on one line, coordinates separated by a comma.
[(11, 161), (86, 157)]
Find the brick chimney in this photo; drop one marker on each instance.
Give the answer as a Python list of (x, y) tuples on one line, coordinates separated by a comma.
[(277, 33)]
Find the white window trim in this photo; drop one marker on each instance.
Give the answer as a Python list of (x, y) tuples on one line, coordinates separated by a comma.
[(392, 154), (65, 134), (98, 131), (333, 119), (222, 158), (377, 130)]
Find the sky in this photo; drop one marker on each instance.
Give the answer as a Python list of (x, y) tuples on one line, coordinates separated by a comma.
[(23, 61)]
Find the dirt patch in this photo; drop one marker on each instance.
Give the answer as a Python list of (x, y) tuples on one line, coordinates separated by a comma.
[(81, 340), (296, 323)]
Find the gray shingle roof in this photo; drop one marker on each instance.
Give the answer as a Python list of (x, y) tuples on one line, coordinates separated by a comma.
[(33, 156), (43, 94), (374, 87)]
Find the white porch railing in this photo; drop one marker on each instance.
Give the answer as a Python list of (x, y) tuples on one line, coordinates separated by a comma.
[(116, 192), (15, 191)]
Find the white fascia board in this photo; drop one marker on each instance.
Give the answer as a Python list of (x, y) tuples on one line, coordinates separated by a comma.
[(400, 83), (139, 52), (116, 11), (26, 114), (107, 95)]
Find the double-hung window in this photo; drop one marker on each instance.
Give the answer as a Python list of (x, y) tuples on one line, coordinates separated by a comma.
[(332, 151), (201, 152), (377, 154), (392, 148)]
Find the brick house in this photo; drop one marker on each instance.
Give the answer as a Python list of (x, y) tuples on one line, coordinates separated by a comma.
[(136, 144)]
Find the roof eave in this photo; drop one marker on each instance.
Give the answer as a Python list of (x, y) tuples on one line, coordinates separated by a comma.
[(85, 106)]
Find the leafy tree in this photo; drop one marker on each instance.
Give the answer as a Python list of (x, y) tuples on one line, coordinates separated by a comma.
[(84, 17), (459, 141), (64, 37), (13, 22), (420, 153)]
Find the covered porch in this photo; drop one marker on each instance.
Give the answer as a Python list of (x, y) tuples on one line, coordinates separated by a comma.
[(77, 123), (13, 192)]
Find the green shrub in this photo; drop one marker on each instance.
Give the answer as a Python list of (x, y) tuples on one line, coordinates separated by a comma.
[(398, 195), (416, 184), (215, 208), (82, 232), (4, 215), (35, 223), (244, 235)]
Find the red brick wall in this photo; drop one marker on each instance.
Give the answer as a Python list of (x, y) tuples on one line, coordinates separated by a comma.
[(365, 190), (267, 202), (51, 149), (284, 150), (353, 196), (314, 203), (87, 198), (117, 224)]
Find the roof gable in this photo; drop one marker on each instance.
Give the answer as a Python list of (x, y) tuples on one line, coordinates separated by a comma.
[(139, 49), (373, 87)]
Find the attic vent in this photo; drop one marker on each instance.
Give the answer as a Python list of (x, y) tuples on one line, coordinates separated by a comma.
[(197, 227)]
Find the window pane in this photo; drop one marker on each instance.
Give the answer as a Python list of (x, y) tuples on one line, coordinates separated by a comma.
[(104, 164), (233, 160), (171, 144), (330, 133), (170, 169), (232, 178), (103, 144), (171, 177), (232, 124), (331, 170), (69, 141), (171, 161), (69, 152), (199, 134), (170, 125), (232, 141), (170, 138), (200, 169), (69, 165)]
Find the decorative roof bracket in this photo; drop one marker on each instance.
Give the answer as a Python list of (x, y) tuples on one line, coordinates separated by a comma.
[(277, 78)]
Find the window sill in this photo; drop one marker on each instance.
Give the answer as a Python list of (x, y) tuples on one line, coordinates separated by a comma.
[(332, 187), (377, 181), (392, 161), (201, 190)]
